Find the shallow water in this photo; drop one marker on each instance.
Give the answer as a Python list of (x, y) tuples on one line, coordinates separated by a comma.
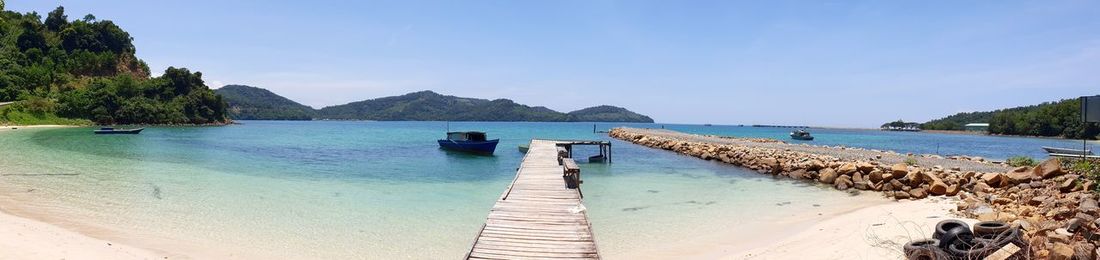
[(370, 189)]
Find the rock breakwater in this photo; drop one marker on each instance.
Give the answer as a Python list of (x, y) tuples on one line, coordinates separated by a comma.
[(1055, 207)]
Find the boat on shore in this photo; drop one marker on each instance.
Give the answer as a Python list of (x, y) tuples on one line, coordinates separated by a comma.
[(1068, 151), (113, 131), (801, 135), (471, 142)]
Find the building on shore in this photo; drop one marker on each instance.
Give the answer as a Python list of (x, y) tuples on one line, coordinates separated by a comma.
[(977, 127)]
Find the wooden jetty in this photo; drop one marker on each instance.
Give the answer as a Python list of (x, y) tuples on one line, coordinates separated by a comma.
[(539, 216)]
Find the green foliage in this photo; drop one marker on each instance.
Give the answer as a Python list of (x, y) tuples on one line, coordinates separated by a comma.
[(900, 124), (252, 103), (910, 161), (1062, 118), (1017, 161), (607, 114), (431, 106), (86, 69)]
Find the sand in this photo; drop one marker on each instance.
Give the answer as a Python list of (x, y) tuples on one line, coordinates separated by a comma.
[(23, 238), (870, 233)]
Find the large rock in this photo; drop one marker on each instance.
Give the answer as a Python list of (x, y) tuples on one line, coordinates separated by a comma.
[(1049, 169), (918, 193), (827, 175), (900, 169), (1017, 177), (915, 177), (847, 168), (900, 195), (993, 179), (938, 188), (1061, 251), (865, 167), (843, 182), (798, 174), (875, 176)]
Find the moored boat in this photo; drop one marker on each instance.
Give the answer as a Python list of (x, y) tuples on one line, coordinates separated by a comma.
[(472, 142), (801, 135), (113, 131), (524, 147), (1071, 151)]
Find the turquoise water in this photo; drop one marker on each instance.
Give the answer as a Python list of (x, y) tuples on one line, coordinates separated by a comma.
[(384, 190), (992, 147)]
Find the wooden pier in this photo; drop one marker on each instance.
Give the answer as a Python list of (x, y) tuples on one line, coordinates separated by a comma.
[(538, 216)]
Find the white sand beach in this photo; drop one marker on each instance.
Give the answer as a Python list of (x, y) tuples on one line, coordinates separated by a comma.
[(23, 238)]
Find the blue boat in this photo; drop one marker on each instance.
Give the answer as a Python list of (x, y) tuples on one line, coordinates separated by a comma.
[(110, 131), (472, 142)]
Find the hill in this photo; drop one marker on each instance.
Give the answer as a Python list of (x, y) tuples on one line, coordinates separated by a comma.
[(252, 103), (431, 106), (607, 114), (1061, 119), (62, 71)]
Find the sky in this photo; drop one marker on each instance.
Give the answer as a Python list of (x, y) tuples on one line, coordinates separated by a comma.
[(820, 63)]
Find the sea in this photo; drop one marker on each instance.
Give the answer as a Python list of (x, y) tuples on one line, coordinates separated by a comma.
[(384, 190)]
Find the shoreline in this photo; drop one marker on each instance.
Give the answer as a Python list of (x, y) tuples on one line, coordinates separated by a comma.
[(27, 238)]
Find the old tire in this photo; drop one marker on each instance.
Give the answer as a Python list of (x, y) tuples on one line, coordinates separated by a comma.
[(946, 225), (989, 229), (977, 250), (925, 249), (957, 235)]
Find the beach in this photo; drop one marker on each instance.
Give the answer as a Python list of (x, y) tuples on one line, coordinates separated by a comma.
[(23, 238), (260, 189)]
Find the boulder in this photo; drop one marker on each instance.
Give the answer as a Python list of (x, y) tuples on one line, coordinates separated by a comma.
[(993, 179), (847, 168), (857, 177), (865, 167), (827, 176), (1088, 205), (875, 175), (938, 188), (1067, 185), (798, 174), (900, 169), (918, 193), (901, 195), (953, 190), (915, 177), (1016, 177), (1049, 169), (843, 182)]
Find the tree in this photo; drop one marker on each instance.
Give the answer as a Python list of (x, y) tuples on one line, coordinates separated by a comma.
[(31, 37), (56, 19)]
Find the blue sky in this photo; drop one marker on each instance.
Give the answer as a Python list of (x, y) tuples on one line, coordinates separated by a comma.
[(826, 63)]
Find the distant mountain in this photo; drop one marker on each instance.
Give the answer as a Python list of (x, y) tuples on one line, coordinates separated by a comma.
[(431, 106), (607, 113), (252, 103)]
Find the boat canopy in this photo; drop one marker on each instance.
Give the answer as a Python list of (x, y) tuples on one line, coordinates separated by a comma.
[(466, 136)]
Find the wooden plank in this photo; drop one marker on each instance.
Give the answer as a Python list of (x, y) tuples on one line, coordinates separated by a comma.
[(537, 217)]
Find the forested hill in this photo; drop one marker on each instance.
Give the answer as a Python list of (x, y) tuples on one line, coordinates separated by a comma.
[(84, 70), (257, 103), (431, 106), (250, 103), (1061, 118), (607, 114)]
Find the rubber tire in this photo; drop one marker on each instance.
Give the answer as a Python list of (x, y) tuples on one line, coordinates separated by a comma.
[(978, 250), (922, 249), (989, 229), (955, 236), (944, 226)]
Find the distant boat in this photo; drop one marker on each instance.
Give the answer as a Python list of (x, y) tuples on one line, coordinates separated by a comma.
[(113, 131), (472, 142), (801, 135), (708, 125), (1069, 151)]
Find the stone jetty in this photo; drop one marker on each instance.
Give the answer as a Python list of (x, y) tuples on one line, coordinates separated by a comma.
[(1056, 207)]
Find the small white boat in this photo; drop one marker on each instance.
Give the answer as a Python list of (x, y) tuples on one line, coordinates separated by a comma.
[(1070, 151)]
